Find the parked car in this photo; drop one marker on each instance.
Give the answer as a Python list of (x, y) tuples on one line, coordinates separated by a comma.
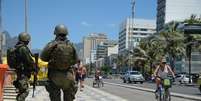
[(183, 78), (133, 76)]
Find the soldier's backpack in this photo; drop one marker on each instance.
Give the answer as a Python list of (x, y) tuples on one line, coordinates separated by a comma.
[(12, 57), (63, 55)]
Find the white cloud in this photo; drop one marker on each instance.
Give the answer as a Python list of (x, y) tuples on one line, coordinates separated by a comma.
[(84, 23)]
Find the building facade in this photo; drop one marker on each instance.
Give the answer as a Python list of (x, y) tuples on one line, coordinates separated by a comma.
[(132, 31), (90, 44), (102, 52), (176, 10)]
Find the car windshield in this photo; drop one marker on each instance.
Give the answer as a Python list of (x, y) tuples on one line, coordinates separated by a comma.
[(134, 73)]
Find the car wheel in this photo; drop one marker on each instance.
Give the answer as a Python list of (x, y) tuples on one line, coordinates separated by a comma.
[(124, 81), (135, 82), (180, 82), (200, 88), (129, 80), (141, 82)]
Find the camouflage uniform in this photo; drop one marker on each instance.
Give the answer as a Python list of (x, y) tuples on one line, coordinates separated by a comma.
[(25, 67), (60, 77)]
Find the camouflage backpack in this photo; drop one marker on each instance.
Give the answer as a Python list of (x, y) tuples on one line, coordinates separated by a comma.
[(12, 58), (63, 55)]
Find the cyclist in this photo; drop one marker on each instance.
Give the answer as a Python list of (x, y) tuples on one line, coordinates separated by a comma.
[(97, 74), (161, 72)]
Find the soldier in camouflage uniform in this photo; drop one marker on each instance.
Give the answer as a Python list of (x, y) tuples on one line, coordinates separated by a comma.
[(25, 67), (61, 56)]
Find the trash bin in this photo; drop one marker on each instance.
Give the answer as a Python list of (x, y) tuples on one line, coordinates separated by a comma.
[(3, 69)]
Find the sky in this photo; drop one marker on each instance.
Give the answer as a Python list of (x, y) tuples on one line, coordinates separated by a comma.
[(82, 17)]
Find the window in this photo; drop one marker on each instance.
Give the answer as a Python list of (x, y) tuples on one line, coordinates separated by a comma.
[(135, 29), (143, 29), (143, 33)]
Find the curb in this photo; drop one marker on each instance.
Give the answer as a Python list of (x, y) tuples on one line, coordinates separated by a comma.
[(190, 97)]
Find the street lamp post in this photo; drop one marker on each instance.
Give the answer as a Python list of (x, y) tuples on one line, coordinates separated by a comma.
[(189, 48)]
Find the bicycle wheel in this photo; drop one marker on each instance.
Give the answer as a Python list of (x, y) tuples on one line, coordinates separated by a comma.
[(160, 96), (98, 84), (167, 95)]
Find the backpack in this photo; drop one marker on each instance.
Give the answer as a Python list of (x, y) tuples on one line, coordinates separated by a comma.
[(63, 55), (12, 58)]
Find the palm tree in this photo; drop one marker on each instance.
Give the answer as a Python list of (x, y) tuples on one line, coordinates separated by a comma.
[(120, 62), (153, 47), (193, 19), (174, 42), (139, 57)]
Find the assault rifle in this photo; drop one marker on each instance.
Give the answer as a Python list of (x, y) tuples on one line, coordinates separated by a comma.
[(36, 55)]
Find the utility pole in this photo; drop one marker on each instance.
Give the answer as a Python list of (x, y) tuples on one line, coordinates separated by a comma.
[(1, 32), (131, 22), (133, 8), (26, 19), (25, 15)]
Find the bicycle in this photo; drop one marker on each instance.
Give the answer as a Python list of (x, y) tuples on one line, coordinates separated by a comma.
[(98, 81), (163, 93)]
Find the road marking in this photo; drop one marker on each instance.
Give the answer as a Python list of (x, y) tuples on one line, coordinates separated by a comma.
[(152, 91)]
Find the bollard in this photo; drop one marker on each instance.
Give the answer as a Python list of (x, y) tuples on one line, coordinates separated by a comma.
[(3, 69)]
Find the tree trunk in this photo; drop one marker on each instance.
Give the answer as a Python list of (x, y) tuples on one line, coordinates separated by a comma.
[(150, 72)]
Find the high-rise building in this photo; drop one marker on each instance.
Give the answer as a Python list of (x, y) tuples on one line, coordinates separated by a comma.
[(179, 10), (132, 31), (90, 44), (102, 48)]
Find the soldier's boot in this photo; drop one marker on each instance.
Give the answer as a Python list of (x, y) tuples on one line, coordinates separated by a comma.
[(22, 95)]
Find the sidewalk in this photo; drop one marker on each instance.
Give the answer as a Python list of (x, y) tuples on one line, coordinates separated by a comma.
[(89, 94)]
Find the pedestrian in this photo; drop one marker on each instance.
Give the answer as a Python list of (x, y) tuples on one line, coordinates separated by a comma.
[(77, 65), (25, 66), (61, 56), (82, 75)]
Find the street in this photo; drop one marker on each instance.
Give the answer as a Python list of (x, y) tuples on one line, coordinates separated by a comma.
[(130, 94), (107, 93), (189, 90)]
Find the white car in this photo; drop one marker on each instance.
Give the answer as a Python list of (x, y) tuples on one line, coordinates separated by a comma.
[(133, 76), (184, 79)]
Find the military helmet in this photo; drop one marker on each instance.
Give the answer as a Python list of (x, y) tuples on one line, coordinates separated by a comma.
[(60, 30), (24, 37)]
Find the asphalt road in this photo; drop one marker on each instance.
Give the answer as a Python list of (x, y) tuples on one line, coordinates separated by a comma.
[(130, 94), (189, 90)]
